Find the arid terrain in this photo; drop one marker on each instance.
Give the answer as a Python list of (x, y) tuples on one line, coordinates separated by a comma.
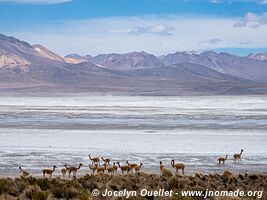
[(82, 188)]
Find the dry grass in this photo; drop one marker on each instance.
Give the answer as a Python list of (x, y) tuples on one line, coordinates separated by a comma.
[(81, 188)]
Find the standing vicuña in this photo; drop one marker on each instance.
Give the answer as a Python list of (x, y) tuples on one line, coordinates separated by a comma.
[(64, 170), (49, 171), (124, 168), (23, 173), (106, 160), (132, 166), (222, 159), (94, 160), (164, 171), (74, 170), (93, 168), (115, 167), (138, 168), (109, 169), (237, 157), (178, 166)]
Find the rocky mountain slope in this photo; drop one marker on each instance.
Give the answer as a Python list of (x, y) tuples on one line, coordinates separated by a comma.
[(258, 56), (44, 52)]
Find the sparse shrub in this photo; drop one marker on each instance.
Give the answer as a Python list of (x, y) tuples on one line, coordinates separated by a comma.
[(16, 187), (43, 183), (58, 192), (241, 177), (166, 172), (212, 185), (83, 196), (5, 185), (70, 193), (254, 177), (35, 193), (89, 185), (40, 195), (41, 189), (173, 183), (230, 198), (11, 187), (31, 180), (67, 191), (179, 197), (227, 175), (113, 186)]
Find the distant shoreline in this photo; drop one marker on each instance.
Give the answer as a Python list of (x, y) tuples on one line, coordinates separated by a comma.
[(130, 94), (83, 174)]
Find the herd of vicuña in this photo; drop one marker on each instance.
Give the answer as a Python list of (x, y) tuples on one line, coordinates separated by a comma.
[(106, 168)]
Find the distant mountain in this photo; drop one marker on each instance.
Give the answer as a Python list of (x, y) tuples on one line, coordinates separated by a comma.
[(15, 53), (178, 58), (11, 45), (19, 54), (44, 52), (258, 56), (241, 67), (105, 59), (133, 60), (188, 72), (26, 68), (127, 61)]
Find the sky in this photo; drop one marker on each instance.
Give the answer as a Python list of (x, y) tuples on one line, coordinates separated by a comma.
[(155, 26)]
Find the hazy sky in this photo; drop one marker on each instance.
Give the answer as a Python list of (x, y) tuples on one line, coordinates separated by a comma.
[(155, 26)]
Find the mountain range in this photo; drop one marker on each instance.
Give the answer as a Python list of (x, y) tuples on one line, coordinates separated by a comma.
[(34, 68)]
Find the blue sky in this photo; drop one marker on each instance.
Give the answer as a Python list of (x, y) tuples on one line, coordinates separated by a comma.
[(155, 26)]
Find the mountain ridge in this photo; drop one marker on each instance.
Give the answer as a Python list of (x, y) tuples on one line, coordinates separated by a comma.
[(34, 68)]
